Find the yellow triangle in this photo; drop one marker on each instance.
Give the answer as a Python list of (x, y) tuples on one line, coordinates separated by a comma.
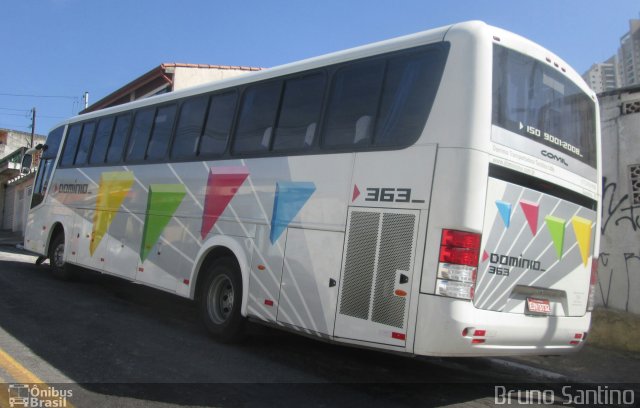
[(113, 189), (582, 229)]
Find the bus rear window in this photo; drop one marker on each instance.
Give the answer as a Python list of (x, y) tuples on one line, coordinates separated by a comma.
[(535, 100)]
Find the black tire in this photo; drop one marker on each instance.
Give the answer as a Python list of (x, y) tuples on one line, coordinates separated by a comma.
[(59, 268), (220, 301)]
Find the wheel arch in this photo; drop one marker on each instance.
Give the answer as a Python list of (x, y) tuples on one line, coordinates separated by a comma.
[(56, 228), (216, 248)]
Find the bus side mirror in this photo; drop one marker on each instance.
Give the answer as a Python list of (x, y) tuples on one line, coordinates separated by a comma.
[(25, 167)]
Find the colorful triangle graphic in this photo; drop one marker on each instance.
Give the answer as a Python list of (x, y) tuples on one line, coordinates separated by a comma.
[(485, 256), (582, 229), (356, 193), (290, 197), (556, 226), (112, 190), (162, 203), (504, 209), (222, 186), (531, 214)]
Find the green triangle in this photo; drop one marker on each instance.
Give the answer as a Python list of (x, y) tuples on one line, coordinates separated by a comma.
[(556, 229), (163, 201)]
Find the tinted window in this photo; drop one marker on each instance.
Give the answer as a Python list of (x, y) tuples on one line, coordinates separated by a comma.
[(86, 140), (53, 143), (534, 100), (44, 174), (218, 126), (257, 117), (300, 111), (162, 127), (103, 134), (189, 129), (140, 134), (71, 145), (353, 104), (120, 131), (410, 86)]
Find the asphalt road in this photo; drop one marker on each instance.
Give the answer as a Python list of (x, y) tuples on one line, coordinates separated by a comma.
[(117, 343)]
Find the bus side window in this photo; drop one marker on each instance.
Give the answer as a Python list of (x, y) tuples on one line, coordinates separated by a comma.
[(161, 133), (189, 128), (218, 125), (116, 145), (410, 86), (103, 135), (140, 134), (86, 140), (257, 118), (71, 145), (300, 112), (353, 103)]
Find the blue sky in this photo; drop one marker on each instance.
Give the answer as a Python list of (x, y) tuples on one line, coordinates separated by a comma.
[(66, 47)]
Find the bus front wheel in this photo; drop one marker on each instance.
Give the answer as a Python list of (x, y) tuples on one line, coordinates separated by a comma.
[(59, 267), (220, 301)]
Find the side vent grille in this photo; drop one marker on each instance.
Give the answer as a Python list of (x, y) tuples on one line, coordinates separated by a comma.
[(380, 247), (360, 264)]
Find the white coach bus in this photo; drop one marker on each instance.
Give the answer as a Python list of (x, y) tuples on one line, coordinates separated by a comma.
[(434, 194)]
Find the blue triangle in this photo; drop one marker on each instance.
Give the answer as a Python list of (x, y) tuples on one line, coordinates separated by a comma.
[(505, 211), (290, 197)]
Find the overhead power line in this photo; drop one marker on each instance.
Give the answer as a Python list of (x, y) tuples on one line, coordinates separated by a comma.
[(39, 96)]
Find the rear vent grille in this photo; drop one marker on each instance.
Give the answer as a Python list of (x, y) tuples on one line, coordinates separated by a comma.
[(380, 246)]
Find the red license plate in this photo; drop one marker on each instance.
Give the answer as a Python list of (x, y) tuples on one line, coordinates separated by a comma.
[(538, 306)]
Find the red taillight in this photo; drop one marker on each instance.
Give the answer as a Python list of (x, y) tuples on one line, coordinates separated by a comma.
[(460, 239), (594, 271), (458, 263), (459, 256), (593, 281)]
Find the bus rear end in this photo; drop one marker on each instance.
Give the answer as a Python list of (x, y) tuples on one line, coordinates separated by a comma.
[(516, 269)]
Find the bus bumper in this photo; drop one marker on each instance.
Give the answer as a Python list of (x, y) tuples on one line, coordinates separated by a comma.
[(452, 327)]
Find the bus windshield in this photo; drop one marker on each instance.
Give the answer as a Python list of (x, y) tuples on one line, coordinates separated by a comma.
[(535, 100)]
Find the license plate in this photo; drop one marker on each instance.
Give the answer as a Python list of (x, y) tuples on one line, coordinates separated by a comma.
[(538, 306)]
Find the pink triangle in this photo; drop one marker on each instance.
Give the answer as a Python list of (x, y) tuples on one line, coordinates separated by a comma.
[(356, 193), (222, 186), (485, 256), (531, 213)]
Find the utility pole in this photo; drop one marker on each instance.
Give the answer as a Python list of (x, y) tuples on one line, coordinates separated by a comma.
[(33, 124)]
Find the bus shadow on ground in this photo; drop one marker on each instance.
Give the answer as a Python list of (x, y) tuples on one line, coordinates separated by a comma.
[(119, 339)]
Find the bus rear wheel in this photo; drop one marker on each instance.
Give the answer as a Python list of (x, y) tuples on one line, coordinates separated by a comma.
[(220, 301), (59, 267)]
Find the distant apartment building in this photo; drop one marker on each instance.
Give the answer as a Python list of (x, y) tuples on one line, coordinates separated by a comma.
[(629, 55), (622, 69), (603, 77)]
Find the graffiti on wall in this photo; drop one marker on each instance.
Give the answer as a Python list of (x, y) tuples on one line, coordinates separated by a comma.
[(618, 212), (631, 268)]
